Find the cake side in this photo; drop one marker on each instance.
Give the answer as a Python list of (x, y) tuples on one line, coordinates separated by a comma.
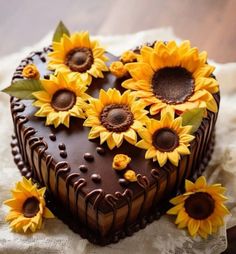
[(52, 155)]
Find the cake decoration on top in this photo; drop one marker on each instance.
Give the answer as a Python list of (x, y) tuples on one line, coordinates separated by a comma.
[(120, 161), (201, 208), (165, 139), (128, 56), (60, 98), (130, 176), (115, 117), (28, 207), (30, 71), (181, 69), (78, 56), (118, 69)]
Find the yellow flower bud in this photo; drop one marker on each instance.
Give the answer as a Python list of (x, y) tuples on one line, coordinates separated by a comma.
[(128, 56), (130, 175), (118, 69), (120, 161), (30, 71)]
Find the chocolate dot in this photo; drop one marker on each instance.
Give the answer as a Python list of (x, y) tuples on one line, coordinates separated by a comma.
[(17, 158), (199, 205), (88, 157), (30, 207), (62, 146), (24, 171), (165, 140), (83, 168), (177, 82), (96, 178), (28, 175), (123, 182), (46, 76), (63, 100), (100, 150), (20, 164), (15, 151), (79, 59), (53, 137), (63, 154)]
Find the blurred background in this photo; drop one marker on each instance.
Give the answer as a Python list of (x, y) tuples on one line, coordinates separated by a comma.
[(209, 24)]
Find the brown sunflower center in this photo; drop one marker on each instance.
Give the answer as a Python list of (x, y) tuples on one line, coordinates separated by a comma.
[(116, 117), (79, 59), (199, 205), (63, 100), (30, 207), (173, 85), (165, 140)]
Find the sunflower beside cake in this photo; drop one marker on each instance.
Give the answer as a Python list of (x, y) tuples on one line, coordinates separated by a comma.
[(113, 139)]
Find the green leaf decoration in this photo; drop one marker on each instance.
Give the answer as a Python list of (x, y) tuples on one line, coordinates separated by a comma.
[(193, 117), (60, 30), (23, 89)]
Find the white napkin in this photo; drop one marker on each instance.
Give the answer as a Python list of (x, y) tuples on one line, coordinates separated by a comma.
[(160, 237)]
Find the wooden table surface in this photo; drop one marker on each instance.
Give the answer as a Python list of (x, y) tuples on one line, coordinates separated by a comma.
[(209, 24)]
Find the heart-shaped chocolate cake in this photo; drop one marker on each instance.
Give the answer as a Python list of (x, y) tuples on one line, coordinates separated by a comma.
[(112, 138)]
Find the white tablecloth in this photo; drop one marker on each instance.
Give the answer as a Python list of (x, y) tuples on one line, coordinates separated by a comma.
[(160, 236)]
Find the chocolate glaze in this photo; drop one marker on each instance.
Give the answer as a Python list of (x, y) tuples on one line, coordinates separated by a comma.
[(93, 208)]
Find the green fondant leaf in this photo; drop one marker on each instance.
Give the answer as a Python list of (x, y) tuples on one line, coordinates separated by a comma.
[(60, 30), (193, 117), (23, 89)]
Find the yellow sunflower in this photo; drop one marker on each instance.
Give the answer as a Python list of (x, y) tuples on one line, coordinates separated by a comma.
[(201, 208), (175, 76), (78, 56), (28, 207), (114, 117), (61, 98), (165, 139)]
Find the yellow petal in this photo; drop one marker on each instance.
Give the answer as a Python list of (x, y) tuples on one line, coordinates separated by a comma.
[(173, 157), (131, 136), (177, 200), (182, 216), (161, 158), (182, 149), (150, 153), (118, 138), (189, 186), (200, 182), (47, 213), (175, 210), (104, 136), (205, 226), (111, 143), (193, 226)]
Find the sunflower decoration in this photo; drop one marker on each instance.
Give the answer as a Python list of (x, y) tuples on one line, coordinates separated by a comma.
[(61, 98), (28, 207), (78, 56), (201, 209), (115, 117), (165, 139), (170, 75)]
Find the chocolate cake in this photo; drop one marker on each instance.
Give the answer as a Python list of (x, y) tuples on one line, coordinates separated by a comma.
[(84, 189)]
